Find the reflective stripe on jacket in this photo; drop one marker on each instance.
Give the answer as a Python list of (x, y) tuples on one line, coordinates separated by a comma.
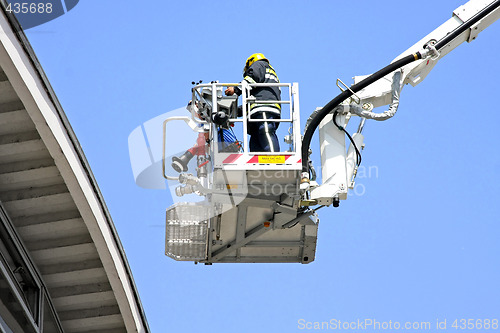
[(261, 72)]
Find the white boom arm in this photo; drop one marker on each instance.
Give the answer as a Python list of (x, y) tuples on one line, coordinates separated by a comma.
[(339, 166), (379, 93)]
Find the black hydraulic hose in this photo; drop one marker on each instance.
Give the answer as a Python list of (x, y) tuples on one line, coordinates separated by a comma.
[(466, 25), (312, 171), (358, 154), (306, 141)]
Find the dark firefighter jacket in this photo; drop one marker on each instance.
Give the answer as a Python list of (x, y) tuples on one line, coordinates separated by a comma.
[(261, 72)]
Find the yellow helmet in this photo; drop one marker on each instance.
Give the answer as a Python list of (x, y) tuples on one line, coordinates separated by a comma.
[(253, 58)]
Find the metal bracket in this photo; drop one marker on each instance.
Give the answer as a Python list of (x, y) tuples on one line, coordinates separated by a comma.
[(346, 87), (430, 50), (474, 31)]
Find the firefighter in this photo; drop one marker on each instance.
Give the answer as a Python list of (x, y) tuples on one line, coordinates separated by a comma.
[(263, 136)]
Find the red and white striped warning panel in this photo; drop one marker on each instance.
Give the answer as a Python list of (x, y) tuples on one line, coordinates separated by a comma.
[(231, 159), (262, 159)]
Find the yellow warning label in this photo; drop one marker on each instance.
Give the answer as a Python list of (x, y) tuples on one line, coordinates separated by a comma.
[(272, 159)]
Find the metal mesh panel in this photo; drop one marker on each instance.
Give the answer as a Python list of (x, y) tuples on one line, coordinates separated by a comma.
[(187, 227)]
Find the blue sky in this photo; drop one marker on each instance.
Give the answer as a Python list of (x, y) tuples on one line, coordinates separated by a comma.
[(421, 240)]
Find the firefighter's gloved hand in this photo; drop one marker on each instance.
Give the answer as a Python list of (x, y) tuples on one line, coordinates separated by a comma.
[(229, 91)]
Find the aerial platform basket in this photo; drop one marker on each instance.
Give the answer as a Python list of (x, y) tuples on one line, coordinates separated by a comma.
[(251, 199)]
